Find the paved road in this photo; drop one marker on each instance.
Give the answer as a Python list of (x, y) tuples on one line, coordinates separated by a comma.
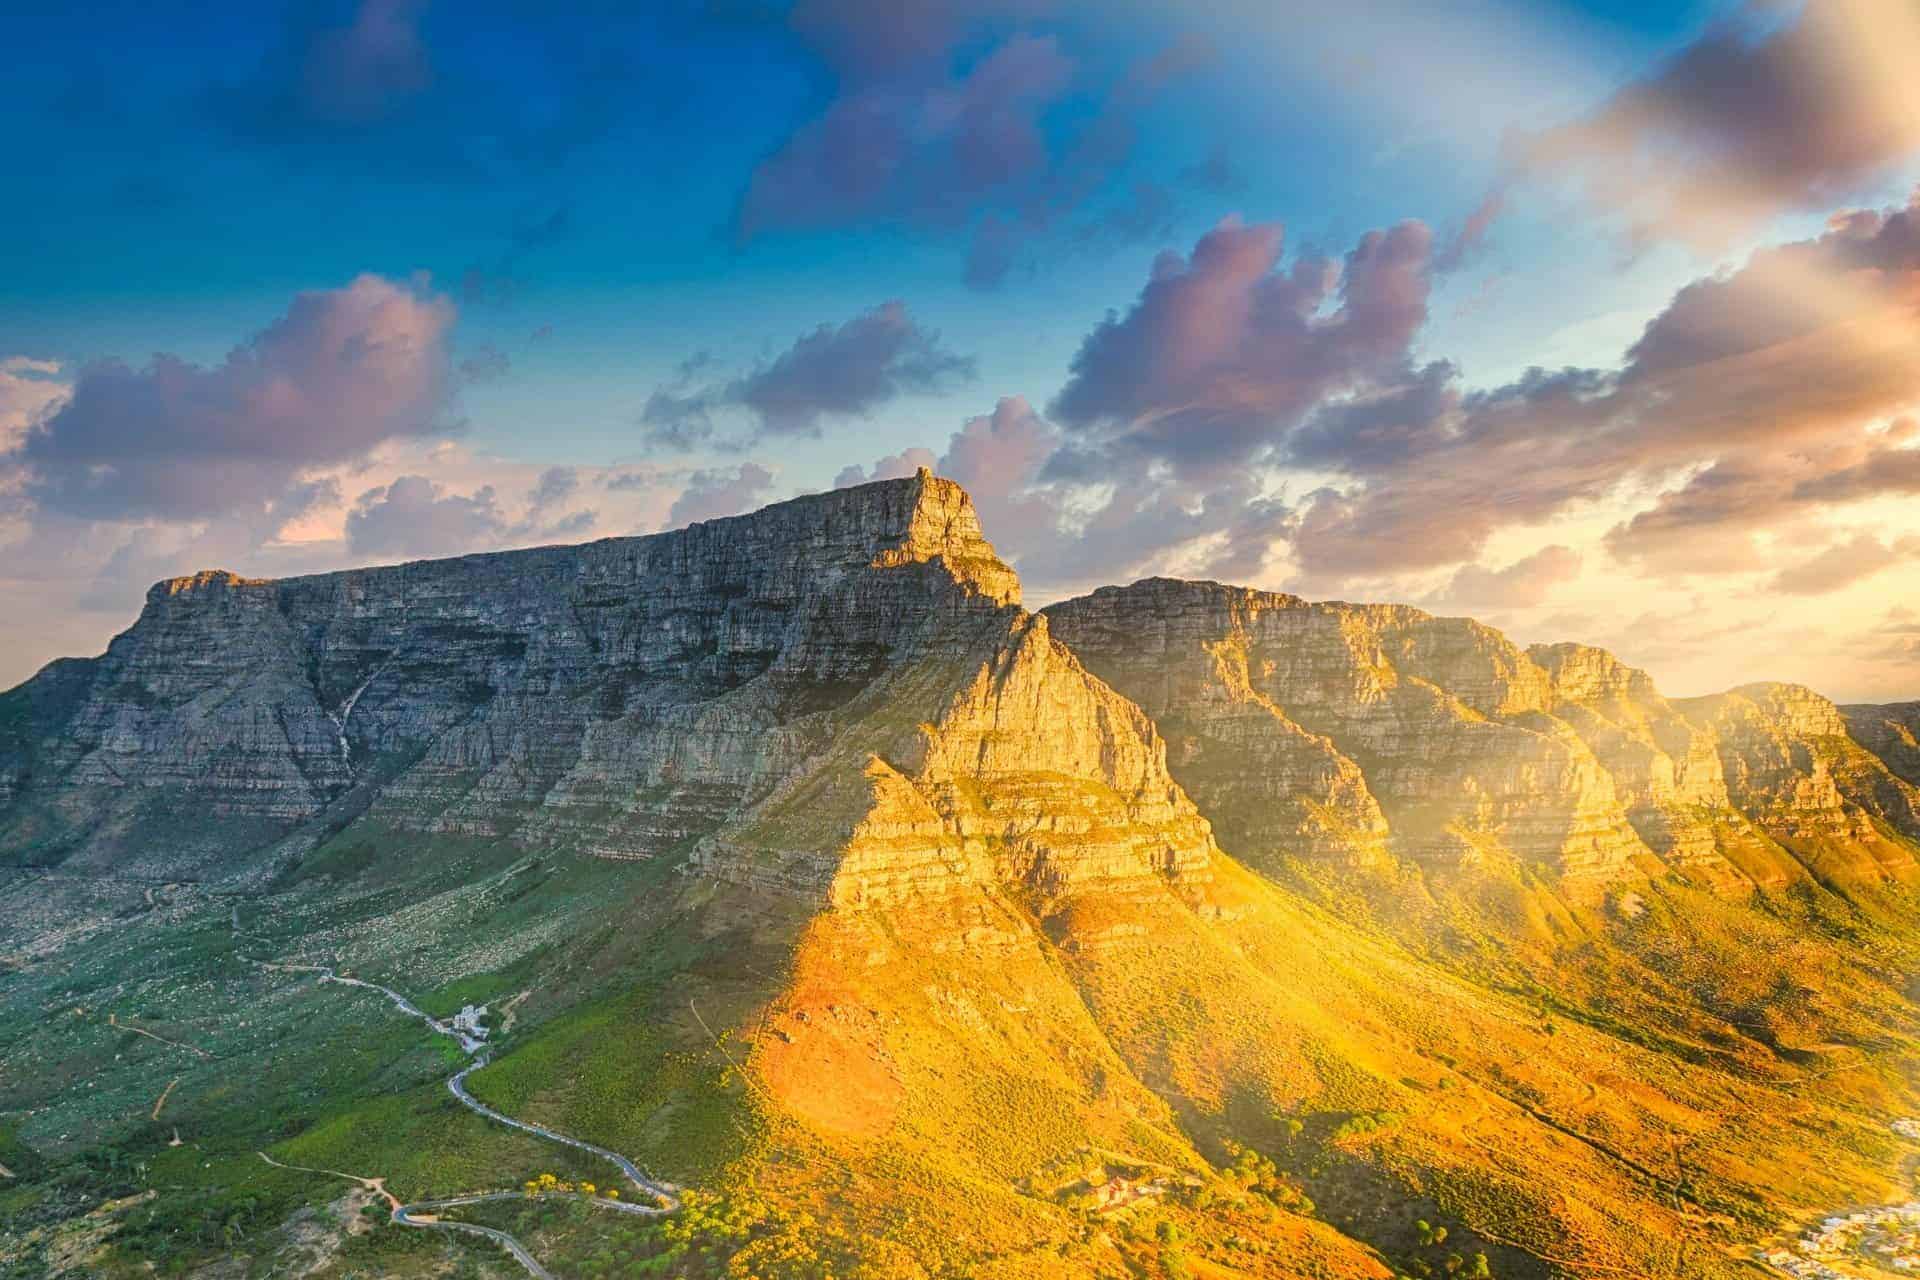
[(411, 1215), (665, 1192), (407, 1215)]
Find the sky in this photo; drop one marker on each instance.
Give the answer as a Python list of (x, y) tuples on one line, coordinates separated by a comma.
[(1597, 321)]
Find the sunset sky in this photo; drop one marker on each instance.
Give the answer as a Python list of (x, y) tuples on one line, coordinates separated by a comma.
[(1595, 321)]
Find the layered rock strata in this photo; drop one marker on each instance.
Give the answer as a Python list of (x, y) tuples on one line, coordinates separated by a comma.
[(628, 697), (1334, 730)]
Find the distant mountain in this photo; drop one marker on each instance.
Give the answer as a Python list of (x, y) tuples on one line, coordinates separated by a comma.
[(1178, 930)]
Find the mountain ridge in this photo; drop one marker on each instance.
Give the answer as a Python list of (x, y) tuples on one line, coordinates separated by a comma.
[(830, 881)]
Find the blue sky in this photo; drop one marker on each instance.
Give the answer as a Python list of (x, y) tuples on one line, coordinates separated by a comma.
[(815, 234)]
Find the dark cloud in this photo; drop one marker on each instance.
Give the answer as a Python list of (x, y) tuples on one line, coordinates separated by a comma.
[(836, 371), (720, 492), (413, 516), (544, 519), (1224, 351), (1062, 543), (895, 466), (919, 151), (1219, 172), (334, 72), (342, 371), (944, 120), (387, 88), (881, 40), (555, 486), (502, 280), (679, 422), (1744, 408), (848, 371), (1883, 471), (1757, 116)]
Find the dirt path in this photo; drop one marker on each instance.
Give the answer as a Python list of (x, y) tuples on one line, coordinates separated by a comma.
[(165, 1093), (113, 1020)]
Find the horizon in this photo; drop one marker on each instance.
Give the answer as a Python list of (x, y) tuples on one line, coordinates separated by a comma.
[(1028, 604)]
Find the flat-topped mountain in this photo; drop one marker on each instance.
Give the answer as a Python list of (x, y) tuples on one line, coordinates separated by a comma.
[(1177, 930)]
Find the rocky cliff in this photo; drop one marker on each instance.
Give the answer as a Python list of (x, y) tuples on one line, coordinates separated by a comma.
[(1890, 731), (624, 698), (1375, 728), (826, 879)]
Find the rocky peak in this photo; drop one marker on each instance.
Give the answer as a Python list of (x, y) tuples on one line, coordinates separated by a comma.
[(1582, 673), (536, 691)]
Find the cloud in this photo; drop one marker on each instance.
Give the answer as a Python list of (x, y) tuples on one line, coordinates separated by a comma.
[(1526, 583), (909, 141), (342, 371), (944, 122), (1882, 470), (1066, 535), (848, 371), (1223, 351), (879, 40), (546, 500), (28, 389), (1759, 115), (1219, 172), (327, 77), (1844, 564), (1747, 385), (711, 494), (1754, 400), (555, 486), (488, 363), (836, 371), (414, 516), (895, 466)]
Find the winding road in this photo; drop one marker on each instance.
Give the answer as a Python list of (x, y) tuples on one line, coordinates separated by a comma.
[(419, 1213)]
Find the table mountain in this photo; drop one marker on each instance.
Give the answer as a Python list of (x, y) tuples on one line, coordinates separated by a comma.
[(1181, 929)]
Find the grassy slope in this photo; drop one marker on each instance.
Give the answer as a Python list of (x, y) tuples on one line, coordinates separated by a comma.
[(936, 1085)]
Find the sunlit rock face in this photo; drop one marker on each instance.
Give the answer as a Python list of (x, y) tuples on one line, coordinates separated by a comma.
[(1666, 768), (1435, 731), (1792, 766), (1355, 732), (840, 697), (784, 694)]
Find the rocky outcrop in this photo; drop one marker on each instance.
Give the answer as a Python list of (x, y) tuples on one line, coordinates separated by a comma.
[(1666, 769), (1891, 731), (1435, 730), (1347, 733), (627, 694), (836, 696), (840, 696), (1792, 767)]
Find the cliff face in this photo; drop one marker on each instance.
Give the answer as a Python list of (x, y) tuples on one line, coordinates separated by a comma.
[(626, 693), (624, 698), (1792, 766), (952, 892), (1890, 731), (770, 691), (1383, 728)]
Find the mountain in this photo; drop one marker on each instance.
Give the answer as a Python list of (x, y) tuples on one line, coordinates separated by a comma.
[(1179, 930)]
